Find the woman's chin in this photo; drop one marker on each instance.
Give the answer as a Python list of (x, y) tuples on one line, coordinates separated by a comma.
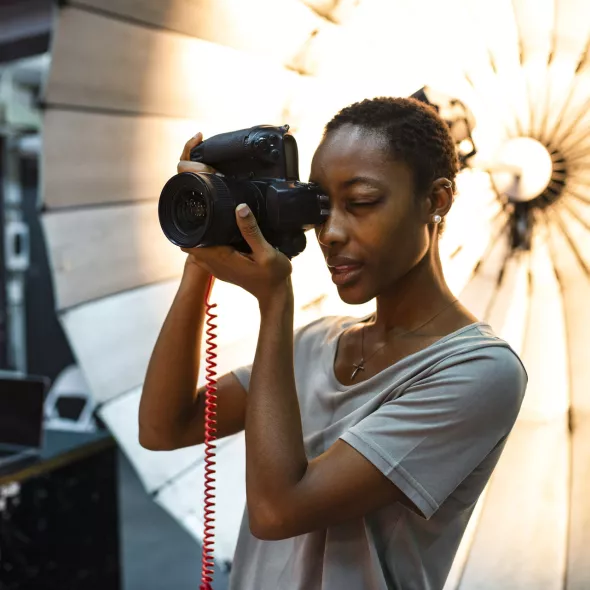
[(354, 288), (354, 294)]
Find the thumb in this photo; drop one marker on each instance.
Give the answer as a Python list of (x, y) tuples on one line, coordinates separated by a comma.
[(250, 230)]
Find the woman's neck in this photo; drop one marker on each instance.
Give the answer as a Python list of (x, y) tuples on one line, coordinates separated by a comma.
[(416, 297)]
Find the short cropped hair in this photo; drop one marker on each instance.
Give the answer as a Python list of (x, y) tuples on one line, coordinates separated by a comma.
[(414, 132)]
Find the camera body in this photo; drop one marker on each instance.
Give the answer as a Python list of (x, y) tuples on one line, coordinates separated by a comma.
[(261, 152), (257, 166)]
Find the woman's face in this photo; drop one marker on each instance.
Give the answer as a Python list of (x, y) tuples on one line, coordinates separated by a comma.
[(374, 219)]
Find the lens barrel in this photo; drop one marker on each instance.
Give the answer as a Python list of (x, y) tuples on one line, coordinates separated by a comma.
[(198, 209)]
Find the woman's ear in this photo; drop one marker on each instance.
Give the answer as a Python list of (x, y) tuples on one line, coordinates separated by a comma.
[(441, 197)]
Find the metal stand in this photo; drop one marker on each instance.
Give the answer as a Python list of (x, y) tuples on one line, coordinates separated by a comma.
[(16, 254)]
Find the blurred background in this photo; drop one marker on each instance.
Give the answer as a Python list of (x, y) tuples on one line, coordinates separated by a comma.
[(97, 98)]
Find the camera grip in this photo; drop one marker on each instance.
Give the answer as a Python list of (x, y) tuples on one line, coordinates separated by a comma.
[(224, 147)]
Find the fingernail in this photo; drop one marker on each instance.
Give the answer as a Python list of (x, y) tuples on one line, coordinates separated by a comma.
[(197, 134), (243, 210)]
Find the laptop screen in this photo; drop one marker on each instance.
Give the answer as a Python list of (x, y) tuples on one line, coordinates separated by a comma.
[(21, 411)]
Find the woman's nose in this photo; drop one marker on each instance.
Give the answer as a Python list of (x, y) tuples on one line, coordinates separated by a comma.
[(332, 231)]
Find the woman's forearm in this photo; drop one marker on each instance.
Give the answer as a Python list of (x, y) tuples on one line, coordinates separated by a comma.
[(275, 455), (169, 390)]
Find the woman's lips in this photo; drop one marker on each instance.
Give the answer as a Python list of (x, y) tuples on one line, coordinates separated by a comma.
[(341, 275)]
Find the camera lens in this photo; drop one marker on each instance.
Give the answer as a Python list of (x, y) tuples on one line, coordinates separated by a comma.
[(185, 209), (199, 209), (189, 210)]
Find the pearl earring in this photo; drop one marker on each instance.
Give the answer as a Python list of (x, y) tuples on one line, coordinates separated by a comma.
[(436, 219)]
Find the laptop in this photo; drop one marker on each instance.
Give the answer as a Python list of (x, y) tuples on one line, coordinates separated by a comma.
[(21, 418)]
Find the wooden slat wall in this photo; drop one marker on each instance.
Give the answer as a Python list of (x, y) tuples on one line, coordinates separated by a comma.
[(97, 159), (575, 287), (100, 63), (276, 29), (95, 252)]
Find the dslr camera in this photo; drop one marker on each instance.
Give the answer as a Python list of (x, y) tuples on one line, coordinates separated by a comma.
[(257, 166)]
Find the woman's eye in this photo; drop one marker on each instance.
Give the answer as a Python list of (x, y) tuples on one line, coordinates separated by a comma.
[(363, 203)]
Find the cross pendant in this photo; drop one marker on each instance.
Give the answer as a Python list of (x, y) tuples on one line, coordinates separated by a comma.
[(359, 367)]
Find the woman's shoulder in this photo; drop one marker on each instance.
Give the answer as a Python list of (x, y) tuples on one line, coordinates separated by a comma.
[(477, 348)]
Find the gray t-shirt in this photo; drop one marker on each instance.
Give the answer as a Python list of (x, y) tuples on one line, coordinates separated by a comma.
[(434, 423)]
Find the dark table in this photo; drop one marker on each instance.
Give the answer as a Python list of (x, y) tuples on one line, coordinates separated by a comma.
[(59, 516)]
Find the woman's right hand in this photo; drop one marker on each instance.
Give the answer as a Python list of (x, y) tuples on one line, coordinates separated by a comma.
[(185, 164)]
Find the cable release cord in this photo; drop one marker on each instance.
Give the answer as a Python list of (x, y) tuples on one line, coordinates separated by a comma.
[(207, 568)]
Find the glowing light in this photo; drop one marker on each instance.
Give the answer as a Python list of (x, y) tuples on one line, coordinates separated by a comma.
[(530, 169)]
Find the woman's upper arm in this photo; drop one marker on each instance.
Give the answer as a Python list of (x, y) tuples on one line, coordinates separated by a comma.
[(414, 449), (231, 412)]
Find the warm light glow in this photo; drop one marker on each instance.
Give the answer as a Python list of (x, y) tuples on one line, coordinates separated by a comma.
[(465, 146), (532, 167)]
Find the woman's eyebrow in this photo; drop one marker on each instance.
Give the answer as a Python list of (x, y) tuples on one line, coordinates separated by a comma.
[(361, 180)]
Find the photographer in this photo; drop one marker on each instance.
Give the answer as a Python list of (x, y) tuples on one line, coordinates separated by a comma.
[(368, 442)]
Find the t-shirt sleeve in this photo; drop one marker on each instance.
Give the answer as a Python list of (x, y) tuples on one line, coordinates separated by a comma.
[(243, 374), (430, 438)]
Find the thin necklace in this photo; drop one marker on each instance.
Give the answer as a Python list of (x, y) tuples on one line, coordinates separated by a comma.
[(361, 366)]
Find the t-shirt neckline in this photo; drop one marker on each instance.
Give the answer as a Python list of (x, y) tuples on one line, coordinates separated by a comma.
[(334, 348)]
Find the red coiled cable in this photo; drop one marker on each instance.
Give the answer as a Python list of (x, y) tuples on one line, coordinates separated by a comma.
[(207, 568)]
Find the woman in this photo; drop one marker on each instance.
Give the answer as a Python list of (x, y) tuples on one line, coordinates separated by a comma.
[(368, 442)]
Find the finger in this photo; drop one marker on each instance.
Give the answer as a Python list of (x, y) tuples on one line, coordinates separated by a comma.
[(251, 231), (190, 144), (187, 166), (245, 255)]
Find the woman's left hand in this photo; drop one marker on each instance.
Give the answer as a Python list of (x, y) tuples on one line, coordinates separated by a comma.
[(260, 273)]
